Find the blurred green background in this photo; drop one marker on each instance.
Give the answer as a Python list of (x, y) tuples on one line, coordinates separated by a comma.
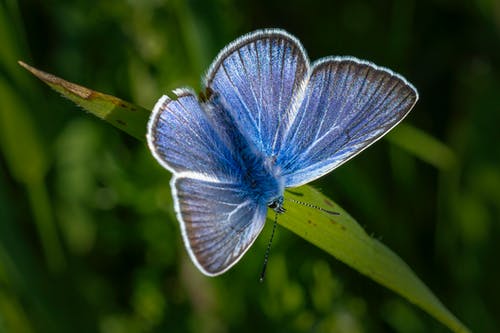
[(88, 238)]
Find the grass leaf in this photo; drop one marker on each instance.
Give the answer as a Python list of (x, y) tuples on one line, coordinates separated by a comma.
[(423, 146), (123, 115), (342, 237)]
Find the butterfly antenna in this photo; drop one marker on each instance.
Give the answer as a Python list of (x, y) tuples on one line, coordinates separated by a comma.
[(313, 206), (266, 256)]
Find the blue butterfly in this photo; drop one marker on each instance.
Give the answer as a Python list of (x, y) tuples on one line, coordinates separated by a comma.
[(269, 120)]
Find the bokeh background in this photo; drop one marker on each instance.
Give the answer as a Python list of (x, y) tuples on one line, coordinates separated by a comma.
[(88, 238)]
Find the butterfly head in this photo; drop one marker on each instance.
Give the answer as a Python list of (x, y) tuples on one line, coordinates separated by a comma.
[(277, 205)]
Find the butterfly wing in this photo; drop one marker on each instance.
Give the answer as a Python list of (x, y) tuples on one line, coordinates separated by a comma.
[(183, 140), (348, 105), (218, 222), (257, 80), (218, 215)]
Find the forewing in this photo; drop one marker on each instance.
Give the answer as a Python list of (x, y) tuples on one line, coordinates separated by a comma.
[(348, 105), (219, 221), (183, 139), (257, 80)]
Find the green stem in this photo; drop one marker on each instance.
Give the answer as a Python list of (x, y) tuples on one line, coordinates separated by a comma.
[(45, 223)]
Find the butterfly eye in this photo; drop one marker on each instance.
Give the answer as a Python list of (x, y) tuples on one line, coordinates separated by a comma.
[(273, 205), (277, 205)]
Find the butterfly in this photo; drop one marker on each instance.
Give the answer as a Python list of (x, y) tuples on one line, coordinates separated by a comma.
[(268, 120)]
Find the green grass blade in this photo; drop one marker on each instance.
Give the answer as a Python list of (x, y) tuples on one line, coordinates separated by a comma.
[(24, 152), (341, 236), (423, 146), (126, 116)]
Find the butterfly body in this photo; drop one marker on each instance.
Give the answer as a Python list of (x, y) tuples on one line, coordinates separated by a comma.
[(269, 120), (258, 170)]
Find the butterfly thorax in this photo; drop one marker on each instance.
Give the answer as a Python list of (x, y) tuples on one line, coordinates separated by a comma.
[(263, 178)]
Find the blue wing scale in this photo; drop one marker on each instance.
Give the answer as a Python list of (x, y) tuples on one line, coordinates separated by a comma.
[(348, 105), (219, 222), (257, 79), (183, 139)]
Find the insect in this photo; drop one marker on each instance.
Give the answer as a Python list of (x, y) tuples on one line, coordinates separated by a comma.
[(269, 120)]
